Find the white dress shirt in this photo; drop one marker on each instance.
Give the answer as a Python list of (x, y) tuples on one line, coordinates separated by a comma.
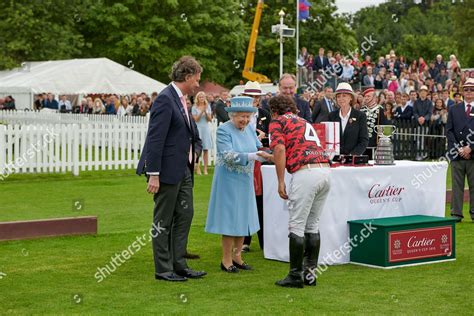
[(465, 106), (344, 119)]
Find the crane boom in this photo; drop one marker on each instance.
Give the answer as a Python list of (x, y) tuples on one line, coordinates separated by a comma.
[(248, 73)]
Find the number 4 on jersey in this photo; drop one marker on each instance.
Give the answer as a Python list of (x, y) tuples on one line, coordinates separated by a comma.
[(311, 135)]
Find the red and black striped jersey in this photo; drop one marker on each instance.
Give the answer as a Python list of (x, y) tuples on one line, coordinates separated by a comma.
[(300, 140)]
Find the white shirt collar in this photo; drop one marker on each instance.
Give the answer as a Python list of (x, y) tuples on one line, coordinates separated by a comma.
[(178, 91), (345, 117)]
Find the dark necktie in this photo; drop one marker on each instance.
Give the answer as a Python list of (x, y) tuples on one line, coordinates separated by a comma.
[(330, 106)]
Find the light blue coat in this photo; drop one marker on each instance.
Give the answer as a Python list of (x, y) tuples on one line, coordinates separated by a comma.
[(232, 207)]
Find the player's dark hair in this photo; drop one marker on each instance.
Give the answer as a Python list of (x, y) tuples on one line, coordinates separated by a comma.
[(282, 104)]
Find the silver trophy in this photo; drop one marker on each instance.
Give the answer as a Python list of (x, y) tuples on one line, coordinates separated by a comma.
[(384, 151)]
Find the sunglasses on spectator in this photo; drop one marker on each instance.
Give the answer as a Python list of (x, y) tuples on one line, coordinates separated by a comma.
[(468, 89)]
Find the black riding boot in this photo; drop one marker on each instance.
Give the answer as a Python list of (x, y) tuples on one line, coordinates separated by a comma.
[(312, 243), (295, 276)]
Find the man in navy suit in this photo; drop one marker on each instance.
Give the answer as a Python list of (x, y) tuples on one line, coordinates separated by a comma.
[(287, 86), (50, 102), (324, 107), (404, 111), (321, 62), (460, 134), (448, 102), (167, 158)]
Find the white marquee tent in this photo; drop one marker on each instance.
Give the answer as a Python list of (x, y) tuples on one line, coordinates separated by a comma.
[(74, 76)]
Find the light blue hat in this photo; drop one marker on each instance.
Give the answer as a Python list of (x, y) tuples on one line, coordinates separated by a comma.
[(241, 104)]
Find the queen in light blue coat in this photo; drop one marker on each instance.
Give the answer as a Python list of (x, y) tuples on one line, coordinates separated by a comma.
[(232, 208)]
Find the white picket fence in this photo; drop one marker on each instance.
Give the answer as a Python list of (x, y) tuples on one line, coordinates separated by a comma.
[(37, 142), (53, 117)]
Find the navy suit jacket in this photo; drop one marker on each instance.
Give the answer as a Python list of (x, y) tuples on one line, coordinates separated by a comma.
[(450, 103), (407, 114), (304, 110), (221, 113), (321, 66), (169, 138), (423, 108), (355, 138), (459, 130), (51, 104), (301, 105), (321, 111)]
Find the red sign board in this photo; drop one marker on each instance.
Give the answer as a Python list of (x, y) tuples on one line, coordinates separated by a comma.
[(420, 243), (321, 132)]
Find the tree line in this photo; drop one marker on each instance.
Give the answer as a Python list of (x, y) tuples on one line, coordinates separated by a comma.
[(149, 35)]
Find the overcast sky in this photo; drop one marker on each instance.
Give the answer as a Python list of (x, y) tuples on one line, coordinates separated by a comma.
[(352, 6)]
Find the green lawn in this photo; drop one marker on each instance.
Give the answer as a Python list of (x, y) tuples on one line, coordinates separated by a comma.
[(56, 275)]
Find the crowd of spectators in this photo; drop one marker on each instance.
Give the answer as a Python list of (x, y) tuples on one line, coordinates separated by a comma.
[(398, 84), (7, 103), (397, 81), (130, 105)]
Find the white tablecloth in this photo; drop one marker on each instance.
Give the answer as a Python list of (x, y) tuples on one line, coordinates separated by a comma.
[(415, 188)]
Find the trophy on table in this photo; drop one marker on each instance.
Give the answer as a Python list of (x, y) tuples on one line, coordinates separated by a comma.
[(384, 152)]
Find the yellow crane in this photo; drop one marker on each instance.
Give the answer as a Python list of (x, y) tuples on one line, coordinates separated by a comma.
[(250, 58)]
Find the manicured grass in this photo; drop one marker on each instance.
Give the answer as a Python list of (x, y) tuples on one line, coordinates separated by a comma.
[(56, 275)]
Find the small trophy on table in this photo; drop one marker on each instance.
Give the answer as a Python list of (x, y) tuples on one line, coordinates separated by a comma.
[(384, 152)]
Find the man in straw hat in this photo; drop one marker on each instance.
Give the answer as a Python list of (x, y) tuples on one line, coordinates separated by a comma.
[(460, 134), (353, 123), (375, 116), (261, 120)]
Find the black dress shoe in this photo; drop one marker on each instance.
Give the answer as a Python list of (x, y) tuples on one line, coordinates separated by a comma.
[(191, 256), (170, 276), (191, 274), (457, 218), (231, 269), (242, 266)]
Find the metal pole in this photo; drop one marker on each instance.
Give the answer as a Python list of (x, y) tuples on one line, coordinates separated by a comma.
[(282, 15), (297, 40)]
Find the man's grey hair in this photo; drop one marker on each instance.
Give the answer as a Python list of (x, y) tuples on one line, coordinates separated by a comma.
[(285, 76)]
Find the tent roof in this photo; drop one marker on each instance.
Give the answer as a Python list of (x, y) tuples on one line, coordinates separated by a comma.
[(77, 76)]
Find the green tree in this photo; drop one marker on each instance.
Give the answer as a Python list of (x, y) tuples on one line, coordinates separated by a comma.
[(37, 30), (464, 31), (423, 30), (150, 35)]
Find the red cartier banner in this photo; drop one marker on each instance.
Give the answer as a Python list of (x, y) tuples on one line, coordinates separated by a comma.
[(420, 243)]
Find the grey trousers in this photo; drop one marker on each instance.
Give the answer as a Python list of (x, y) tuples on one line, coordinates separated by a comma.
[(460, 169), (173, 214)]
